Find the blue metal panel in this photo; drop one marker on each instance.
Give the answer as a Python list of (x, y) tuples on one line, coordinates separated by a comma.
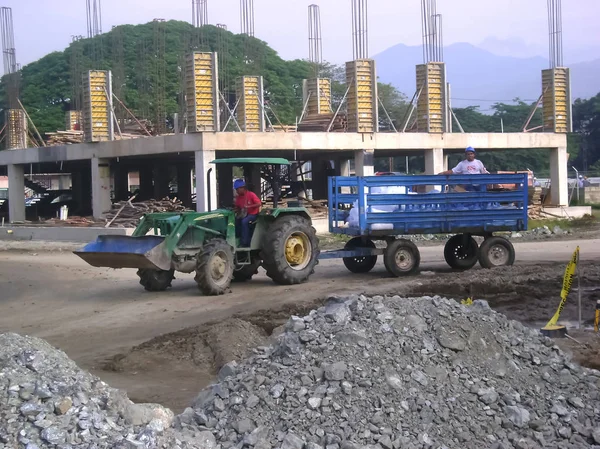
[(447, 212)]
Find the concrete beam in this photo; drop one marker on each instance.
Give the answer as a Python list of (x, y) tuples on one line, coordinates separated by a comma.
[(16, 193), (100, 187), (435, 162), (559, 187), (206, 182), (269, 141), (364, 163)]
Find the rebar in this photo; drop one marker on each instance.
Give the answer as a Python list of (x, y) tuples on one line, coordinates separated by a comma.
[(199, 13), (94, 17), (160, 76), (315, 41), (360, 30), (118, 71), (224, 63), (76, 72), (8, 41), (555, 33), (431, 25), (247, 17)]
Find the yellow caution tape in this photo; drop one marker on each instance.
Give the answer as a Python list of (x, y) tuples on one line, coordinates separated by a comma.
[(467, 302), (567, 282)]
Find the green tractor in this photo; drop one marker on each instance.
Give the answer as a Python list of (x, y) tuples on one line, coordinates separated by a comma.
[(284, 243)]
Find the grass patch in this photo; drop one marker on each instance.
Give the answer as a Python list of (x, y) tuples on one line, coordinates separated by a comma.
[(333, 241), (586, 221)]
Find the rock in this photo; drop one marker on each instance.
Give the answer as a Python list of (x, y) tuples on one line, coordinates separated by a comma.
[(63, 406), (487, 396), (335, 371), (292, 441), (277, 391), (54, 435), (576, 402), (243, 426), (557, 230), (295, 324), (596, 435), (559, 409), (205, 440), (252, 401), (419, 377), (451, 340), (143, 414), (338, 313), (314, 403), (228, 370), (517, 415)]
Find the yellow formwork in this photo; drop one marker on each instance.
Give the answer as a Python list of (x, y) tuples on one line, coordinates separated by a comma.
[(97, 109), (319, 101), (202, 100), (73, 120), (556, 88), (431, 105), (16, 129), (249, 93), (362, 105)]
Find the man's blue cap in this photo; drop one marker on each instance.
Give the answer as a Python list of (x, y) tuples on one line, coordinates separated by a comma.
[(470, 150), (239, 183)]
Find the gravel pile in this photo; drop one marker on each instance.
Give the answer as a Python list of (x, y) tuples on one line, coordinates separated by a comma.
[(46, 401), (392, 373)]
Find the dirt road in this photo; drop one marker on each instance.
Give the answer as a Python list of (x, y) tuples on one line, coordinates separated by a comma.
[(94, 314)]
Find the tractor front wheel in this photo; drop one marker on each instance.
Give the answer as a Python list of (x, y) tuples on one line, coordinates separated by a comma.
[(290, 250), (214, 267), (155, 280)]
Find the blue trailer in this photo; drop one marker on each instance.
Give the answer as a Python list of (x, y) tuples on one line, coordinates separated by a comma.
[(385, 207)]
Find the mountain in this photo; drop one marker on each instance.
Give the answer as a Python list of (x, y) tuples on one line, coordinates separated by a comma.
[(46, 84), (479, 77)]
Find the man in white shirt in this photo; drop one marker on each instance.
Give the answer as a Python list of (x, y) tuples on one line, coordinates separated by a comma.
[(469, 166)]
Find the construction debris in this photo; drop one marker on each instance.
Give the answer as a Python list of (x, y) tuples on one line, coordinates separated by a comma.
[(397, 373), (321, 122), (129, 213), (64, 138)]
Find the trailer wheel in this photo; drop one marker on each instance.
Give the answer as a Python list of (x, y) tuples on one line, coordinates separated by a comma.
[(214, 267), (461, 254), (155, 280), (401, 258), (496, 252), (361, 264), (244, 273), (290, 250)]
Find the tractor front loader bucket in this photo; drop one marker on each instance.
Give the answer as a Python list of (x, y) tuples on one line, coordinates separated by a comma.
[(120, 251)]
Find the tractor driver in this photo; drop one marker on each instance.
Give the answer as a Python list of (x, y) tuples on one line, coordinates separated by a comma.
[(247, 207), (468, 166)]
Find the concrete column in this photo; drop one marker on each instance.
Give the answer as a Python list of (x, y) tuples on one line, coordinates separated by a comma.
[(434, 161), (162, 177), (206, 183), (16, 193), (146, 186), (184, 184), (344, 167), (559, 189), (100, 187), (225, 185), (121, 182), (364, 162)]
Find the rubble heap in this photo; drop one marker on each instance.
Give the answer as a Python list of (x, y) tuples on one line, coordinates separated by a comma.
[(46, 401), (391, 373)]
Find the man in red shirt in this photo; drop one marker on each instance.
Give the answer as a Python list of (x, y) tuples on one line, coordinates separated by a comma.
[(247, 205)]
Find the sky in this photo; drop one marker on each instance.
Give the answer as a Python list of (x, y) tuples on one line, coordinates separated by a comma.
[(43, 26)]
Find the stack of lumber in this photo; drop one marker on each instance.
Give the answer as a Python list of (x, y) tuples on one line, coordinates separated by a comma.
[(127, 214), (316, 209), (320, 123), (64, 138), (535, 203)]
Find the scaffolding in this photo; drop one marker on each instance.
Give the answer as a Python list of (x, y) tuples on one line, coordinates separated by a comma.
[(202, 92), (250, 108), (97, 106), (362, 107)]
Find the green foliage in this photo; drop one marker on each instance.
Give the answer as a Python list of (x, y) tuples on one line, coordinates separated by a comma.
[(46, 86)]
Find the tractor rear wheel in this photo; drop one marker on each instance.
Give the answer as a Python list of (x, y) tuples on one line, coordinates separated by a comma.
[(244, 273), (290, 250), (461, 252), (155, 280), (360, 264), (214, 267)]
